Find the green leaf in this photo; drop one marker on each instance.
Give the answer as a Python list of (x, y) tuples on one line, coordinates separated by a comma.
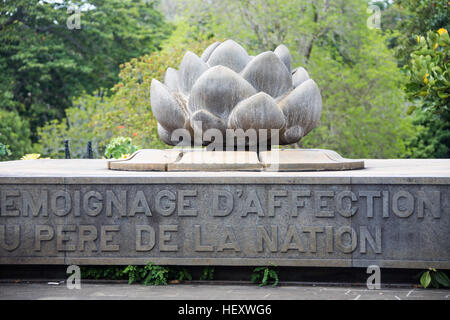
[(425, 280), (442, 279), (410, 110)]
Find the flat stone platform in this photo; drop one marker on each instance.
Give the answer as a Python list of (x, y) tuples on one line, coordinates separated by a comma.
[(393, 213), (392, 171), (89, 291)]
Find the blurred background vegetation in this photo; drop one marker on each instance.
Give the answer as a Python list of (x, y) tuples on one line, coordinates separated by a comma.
[(385, 91)]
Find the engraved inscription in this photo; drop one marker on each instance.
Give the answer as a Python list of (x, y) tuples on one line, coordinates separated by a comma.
[(334, 222)]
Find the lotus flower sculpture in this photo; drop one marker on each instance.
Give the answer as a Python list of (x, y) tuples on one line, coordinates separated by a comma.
[(226, 88)]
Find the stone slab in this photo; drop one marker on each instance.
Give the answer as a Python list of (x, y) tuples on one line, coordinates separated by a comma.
[(95, 171), (217, 161), (146, 160), (394, 213), (307, 160), (192, 159), (30, 290)]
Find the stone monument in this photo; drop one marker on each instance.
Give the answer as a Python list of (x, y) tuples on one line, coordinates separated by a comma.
[(227, 100)]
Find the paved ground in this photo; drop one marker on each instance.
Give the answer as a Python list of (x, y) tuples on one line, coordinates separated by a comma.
[(44, 291)]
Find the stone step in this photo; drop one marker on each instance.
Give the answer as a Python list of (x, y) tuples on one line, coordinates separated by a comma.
[(202, 160)]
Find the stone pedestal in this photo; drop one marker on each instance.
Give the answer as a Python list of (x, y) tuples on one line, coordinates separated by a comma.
[(202, 160), (394, 213)]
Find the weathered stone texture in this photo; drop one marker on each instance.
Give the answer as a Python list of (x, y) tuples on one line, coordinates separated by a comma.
[(290, 219)]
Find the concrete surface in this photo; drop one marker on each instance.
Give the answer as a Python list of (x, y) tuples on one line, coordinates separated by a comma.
[(42, 291), (398, 171)]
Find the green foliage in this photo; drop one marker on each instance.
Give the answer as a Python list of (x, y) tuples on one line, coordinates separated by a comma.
[(76, 128), (428, 89), (119, 147), (363, 114), (412, 17), (108, 273), (126, 112), (179, 273), (135, 273), (4, 151), (207, 273), (429, 73), (14, 136), (363, 102), (434, 278), (43, 63), (264, 274), (148, 275), (431, 138)]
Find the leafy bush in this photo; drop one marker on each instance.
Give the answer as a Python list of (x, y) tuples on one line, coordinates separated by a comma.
[(207, 273), (149, 274), (44, 64), (120, 146), (432, 136), (435, 278), (4, 151), (428, 90), (264, 274), (429, 73), (179, 273), (125, 111), (76, 128), (14, 135), (109, 273), (363, 112)]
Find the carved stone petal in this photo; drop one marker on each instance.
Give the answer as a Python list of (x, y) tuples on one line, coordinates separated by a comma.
[(191, 68), (218, 91), (283, 53), (302, 108), (164, 135), (167, 108), (181, 138), (260, 111), (204, 120), (267, 73), (207, 53), (229, 54), (291, 135), (299, 75), (171, 79)]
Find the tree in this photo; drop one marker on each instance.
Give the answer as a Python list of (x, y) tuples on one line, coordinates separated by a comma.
[(14, 136), (428, 89), (415, 17), (44, 63), (361, 85), (423, 54), (125, 112)]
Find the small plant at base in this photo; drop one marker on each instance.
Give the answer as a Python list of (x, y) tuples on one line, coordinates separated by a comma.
[(207, 273), (120, 146), (149, 275), (135, 273), (156, 275), (434, 277), (179, 274), (264, 274), (110, 273)]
